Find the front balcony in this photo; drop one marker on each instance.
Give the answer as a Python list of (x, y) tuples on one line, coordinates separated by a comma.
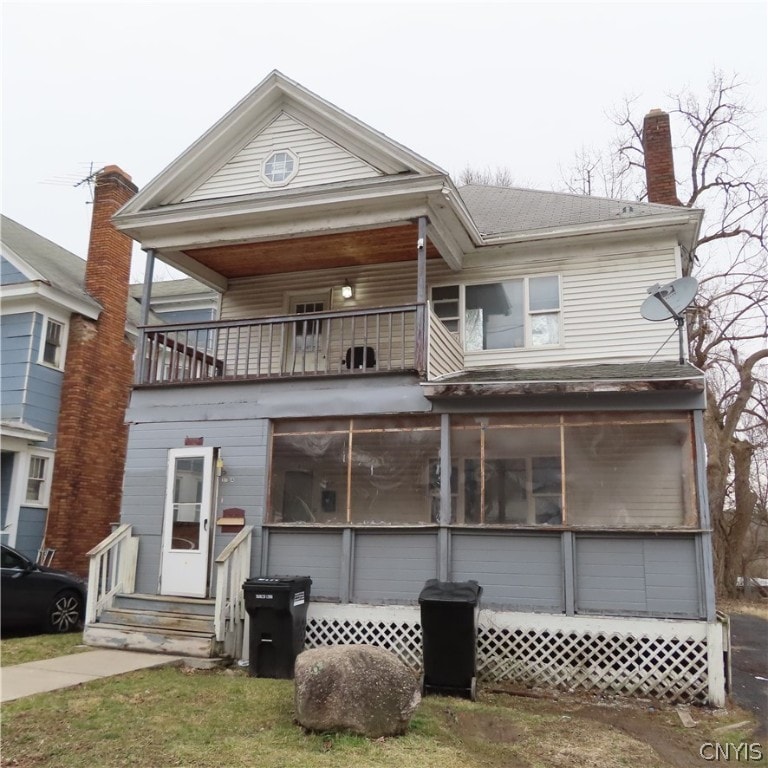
[(398, 339)]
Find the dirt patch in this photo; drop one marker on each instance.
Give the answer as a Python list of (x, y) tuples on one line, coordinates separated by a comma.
[(487, 727), (575, 731)]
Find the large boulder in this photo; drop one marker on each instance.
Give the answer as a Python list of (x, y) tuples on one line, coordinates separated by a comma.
[(357, 688)]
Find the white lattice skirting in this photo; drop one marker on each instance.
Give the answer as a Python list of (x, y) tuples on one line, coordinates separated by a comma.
[(674, 661)]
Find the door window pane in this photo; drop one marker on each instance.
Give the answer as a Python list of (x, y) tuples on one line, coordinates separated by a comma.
[(187, 502)]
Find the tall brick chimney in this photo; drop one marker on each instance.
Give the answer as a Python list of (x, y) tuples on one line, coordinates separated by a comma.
[(659, 164), (92, 437)]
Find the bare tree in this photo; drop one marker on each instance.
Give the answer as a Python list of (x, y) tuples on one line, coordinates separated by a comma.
[(498, 177), (718, 171)]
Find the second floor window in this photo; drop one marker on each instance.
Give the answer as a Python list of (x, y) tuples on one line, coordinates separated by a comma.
[(52, 343), (512, 314), (37, 480)]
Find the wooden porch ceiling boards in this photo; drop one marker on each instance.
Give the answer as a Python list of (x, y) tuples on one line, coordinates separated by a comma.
[(340, 249)]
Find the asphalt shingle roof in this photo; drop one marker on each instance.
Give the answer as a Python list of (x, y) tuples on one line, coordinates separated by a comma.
[(502, 210), (167, 288), (58, 266)]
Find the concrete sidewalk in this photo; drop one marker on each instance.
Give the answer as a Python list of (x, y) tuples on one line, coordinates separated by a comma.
[(22, 680)]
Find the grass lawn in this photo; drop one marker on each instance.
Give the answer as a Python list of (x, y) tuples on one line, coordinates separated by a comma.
[(17, 650), (180, 717)]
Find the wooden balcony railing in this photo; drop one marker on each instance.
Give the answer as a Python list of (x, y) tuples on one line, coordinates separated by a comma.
[(352, 342), (347, 342)]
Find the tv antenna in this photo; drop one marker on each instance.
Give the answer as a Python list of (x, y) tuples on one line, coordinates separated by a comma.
[(77, 180), (669, 301)]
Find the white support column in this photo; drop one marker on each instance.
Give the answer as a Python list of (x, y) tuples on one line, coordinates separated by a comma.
[(716, 645)]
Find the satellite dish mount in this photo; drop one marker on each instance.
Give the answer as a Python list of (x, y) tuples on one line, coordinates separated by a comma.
[(669, 301)]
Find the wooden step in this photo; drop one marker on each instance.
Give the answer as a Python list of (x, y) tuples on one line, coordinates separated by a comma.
[(179, 643), (157, 620), (166, 604)]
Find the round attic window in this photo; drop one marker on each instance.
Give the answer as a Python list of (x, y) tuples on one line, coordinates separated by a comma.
[(279, 167)]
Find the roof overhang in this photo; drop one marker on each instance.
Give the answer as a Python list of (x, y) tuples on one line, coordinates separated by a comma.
[(176, 232), (17, 431), (684, 223), (21, 297), (581, 380)]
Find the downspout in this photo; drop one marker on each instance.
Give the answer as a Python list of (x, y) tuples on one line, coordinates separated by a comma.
[(146, 297)]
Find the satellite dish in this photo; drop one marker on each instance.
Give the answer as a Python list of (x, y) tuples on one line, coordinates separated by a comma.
[(668, 301)]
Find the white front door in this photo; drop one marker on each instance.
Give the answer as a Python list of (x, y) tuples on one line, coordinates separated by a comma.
[(187, 522)]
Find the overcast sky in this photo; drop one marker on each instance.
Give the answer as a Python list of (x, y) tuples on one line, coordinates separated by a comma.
[(509, 84)]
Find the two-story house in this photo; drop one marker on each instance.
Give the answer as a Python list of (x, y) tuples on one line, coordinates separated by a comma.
[(411, 380)]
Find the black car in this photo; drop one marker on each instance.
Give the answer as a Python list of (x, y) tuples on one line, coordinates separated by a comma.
[(34, 596)]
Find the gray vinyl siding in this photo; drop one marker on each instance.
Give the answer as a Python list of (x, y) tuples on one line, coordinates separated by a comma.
[(31, 530), (243, 452), (320, 161), (15, 342), (637, 576), (316, 554), (392, 567), (620, 574), (9, 275), (523, 573)]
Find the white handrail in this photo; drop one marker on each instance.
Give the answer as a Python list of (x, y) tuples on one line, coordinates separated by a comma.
[(233, 567), (112, 569)]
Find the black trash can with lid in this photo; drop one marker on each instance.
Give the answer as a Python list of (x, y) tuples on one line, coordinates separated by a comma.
[(449, 613), (277, 606)]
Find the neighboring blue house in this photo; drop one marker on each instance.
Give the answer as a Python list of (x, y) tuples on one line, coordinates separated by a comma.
[(42, 288), (180, 301)]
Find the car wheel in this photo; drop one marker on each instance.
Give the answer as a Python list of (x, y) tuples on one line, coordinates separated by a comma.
[(66, 612)]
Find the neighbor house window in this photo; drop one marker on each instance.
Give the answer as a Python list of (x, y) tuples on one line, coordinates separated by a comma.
[(37, 480), (52, 345), (368, 471), (513, 314)]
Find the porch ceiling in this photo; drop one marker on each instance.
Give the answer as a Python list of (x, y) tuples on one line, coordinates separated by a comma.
[(340, 249)]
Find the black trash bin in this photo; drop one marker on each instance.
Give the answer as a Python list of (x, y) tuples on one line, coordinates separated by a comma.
[(449, 612), (278, 609)]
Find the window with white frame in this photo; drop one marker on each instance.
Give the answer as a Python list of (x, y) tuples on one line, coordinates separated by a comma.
[(280, 167), (511, 314), (52, 343), (37, 480)]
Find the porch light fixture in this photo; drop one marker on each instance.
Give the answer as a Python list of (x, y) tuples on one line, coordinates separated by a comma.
[(347, 291)]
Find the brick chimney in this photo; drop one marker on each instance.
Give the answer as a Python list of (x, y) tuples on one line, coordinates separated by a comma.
[(659, 164), (91, 438)]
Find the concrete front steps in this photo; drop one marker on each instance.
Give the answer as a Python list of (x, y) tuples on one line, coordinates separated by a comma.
[(180, 626)]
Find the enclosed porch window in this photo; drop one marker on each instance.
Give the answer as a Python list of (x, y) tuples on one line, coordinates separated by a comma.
[(540, 470), (373, 471)]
